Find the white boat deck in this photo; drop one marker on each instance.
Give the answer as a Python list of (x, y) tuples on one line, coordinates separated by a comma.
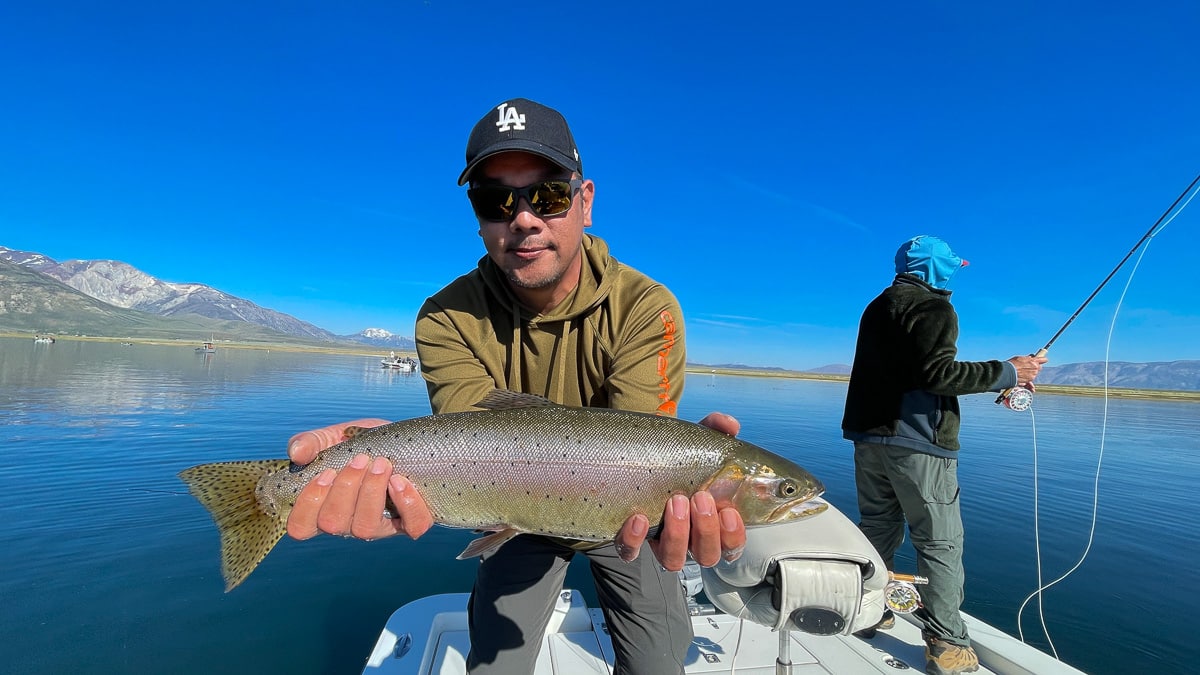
[(429, 637)]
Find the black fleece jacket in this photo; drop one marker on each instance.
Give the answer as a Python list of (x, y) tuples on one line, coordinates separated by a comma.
[(905, 382)]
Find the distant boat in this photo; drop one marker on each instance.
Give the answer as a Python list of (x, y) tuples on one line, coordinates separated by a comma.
[(43, 340), (207, 347), (404, 364)]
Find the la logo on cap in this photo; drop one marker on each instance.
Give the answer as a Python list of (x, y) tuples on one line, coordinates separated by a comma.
[(510, 119)]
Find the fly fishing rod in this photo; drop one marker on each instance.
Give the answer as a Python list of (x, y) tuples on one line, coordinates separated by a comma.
[(1018, 398)]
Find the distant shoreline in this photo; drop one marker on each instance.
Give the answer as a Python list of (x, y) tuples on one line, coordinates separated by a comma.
[(694, 368)]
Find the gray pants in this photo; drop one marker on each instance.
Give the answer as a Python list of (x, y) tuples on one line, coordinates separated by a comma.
[(514, 596), (897, 484)]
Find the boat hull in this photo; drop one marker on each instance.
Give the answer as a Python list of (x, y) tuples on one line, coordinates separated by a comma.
[(429, 637)]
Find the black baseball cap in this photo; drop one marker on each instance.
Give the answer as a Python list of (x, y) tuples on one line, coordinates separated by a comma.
[(527, 126)]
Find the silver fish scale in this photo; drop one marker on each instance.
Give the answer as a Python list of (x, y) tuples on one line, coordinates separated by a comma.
[(569, 472)]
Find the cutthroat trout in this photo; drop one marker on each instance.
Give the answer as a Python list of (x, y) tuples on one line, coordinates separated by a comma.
[(520, 465)]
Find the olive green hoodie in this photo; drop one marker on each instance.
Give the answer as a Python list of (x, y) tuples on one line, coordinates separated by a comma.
[(615, 342)]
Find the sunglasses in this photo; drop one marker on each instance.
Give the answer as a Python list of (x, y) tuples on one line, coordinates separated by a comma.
[(498, 203)]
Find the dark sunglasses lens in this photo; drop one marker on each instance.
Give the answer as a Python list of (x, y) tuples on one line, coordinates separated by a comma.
[(499, 203), (550, 198), (493, 202)]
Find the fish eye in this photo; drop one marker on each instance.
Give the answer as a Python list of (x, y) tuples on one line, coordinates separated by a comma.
[(788, 488)]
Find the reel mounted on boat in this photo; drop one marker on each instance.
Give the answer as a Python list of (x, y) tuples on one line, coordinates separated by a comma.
[(901, 595)]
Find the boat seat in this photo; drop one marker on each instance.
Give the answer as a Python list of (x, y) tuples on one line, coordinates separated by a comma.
[(819, 575)]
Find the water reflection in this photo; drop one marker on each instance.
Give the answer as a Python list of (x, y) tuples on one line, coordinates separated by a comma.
[(118, 569)]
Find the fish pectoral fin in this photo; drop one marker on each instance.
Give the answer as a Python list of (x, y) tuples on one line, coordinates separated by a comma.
[(506, 399), (488, 543)]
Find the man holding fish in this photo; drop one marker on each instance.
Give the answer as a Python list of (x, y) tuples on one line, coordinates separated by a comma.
[(546, 312)]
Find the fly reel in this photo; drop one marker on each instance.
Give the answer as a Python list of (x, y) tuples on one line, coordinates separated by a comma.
[(1017, 399), (900, 594)]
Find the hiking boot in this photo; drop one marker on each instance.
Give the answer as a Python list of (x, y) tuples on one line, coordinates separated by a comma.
[(888, 620), (946, 658)]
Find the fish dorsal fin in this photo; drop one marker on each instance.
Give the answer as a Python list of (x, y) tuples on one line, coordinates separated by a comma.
[(488, 543), (506, 399)]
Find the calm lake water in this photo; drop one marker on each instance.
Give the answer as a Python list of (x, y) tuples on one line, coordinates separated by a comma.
[(108, 566)]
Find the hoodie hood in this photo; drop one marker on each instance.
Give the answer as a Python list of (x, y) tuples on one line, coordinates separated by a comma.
[(556, 330), (929, 259)]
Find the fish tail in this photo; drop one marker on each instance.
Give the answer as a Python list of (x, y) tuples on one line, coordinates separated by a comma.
[(248, 532)]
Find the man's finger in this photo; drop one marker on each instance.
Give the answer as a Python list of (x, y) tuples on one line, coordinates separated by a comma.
[(631, 537), (338, 510), (733, 534), (414, 515), (672, 545), (302, 521), (367, 521), (726, 424), (306, 445), (706, 530)]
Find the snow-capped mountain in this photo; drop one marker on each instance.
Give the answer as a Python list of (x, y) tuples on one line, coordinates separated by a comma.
[(122, 285), (379, 337)]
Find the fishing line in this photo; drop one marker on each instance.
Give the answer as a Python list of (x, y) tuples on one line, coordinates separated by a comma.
[(1019, 399), (1154, 231), (741, 617), (161, 492)]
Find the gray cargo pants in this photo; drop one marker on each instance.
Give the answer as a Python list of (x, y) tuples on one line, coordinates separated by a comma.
[(897, 484), (514, 596)]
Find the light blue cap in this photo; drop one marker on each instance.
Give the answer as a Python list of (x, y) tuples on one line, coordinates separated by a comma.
[(929, 259)]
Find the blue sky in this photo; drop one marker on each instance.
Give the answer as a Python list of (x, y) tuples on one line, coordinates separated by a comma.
[(764, 160)]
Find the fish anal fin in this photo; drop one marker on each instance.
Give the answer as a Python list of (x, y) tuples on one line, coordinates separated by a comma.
[(506, 399), (488, 543)]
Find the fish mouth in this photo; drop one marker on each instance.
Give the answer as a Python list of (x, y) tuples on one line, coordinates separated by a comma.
[(799, 509)]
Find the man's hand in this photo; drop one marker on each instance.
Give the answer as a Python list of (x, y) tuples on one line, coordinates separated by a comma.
[(1028, 368), (693, 524), (351, 502)]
